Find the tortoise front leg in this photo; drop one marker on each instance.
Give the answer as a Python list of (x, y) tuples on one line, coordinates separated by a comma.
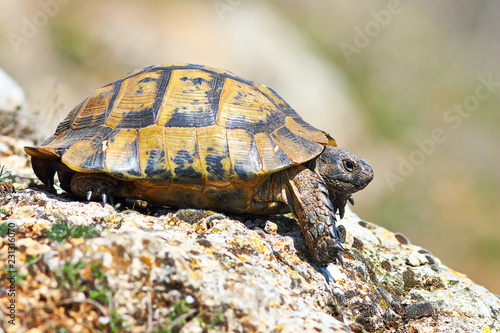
[(309, 200)]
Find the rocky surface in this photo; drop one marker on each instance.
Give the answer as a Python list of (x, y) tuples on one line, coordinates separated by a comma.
[(11, 95), (84, 267), (13, 119)]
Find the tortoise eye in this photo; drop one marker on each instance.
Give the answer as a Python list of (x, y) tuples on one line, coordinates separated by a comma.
[(349, 165)]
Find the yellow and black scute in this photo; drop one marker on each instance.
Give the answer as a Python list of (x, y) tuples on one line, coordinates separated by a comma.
[(181, 134)]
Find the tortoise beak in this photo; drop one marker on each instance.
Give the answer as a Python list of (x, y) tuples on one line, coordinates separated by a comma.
[(365, 175)]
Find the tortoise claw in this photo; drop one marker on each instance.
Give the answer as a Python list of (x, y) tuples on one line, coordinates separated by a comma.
[(89, 195), (339, 245), (334, 232), (341, 212), (351, 199), (107, 198), (104, 196)]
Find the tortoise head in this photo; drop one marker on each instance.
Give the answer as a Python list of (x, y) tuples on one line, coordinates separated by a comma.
[(342, 171)]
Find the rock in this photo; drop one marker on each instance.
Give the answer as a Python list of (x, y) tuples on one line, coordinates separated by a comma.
[(11, 95), (271, 228), (151, 270), (82, 266), (14, 120)]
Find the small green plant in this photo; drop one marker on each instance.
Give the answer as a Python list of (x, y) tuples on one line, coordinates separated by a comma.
[(96, 288), (31, 260), (117, 323), (5, 175), (183, 312), (58, 188), (100, 293), (61, 330), (3, 211), (61, 231), (181, 309), (212, 322), (69, 276), (6, 186), (4, 229), (217, 320)]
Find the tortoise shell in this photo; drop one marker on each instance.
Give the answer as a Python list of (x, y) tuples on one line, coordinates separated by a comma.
[(179, 132)]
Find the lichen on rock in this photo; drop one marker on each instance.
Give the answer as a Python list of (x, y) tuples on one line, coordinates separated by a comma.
[(82, 266), (157, 271)]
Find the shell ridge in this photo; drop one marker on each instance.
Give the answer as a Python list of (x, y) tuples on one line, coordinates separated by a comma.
[(178, 66), (215, 95), (255, 154), (92, 158), (315, 134), (232, 77), (121, 153), (228, 152), (68, 121), (162, 85), (285, 108), (167, 157), (129, 75), (112, 101), (135, 169), (297, 148), (267, 96), (196, 155), (279, 155), (227, 75)]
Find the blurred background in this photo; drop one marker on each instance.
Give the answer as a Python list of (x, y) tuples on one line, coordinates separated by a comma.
[(412, 87)]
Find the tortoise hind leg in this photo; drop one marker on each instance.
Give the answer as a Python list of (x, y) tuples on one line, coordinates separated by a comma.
[(310, 203), (64, 174), (94, 187), (44, 170)]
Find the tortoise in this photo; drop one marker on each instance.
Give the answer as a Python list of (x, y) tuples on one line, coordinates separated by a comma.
[(184, 135)]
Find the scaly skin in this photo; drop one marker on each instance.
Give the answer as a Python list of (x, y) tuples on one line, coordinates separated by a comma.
[(316, 215), (315, 192)]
